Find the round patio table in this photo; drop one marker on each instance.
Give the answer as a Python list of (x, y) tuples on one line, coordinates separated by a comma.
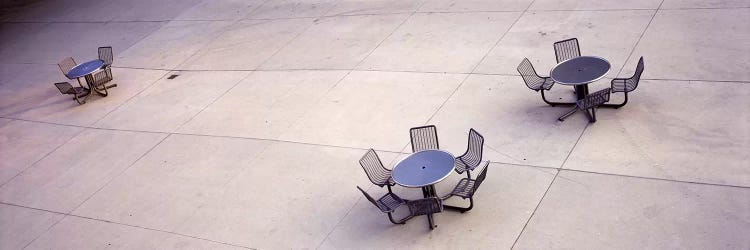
[(422, 170), (84, 69), (579, 72)]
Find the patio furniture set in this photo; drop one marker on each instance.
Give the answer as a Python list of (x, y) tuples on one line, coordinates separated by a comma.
[(578, 71), (96, 72), (425, 167)]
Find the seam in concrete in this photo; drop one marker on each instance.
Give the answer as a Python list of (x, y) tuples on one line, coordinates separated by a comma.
[(111, 222), (640, 38), (41, 158), (479, 62), (337, 83), (371, 14), (548, 187), (379, 150)]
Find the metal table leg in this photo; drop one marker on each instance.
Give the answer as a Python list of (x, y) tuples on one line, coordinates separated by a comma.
[(429, 191)]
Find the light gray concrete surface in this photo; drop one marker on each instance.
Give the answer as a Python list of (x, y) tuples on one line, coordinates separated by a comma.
[(255, 144)]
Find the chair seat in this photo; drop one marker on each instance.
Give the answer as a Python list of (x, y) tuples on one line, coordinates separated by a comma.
[(464, 188), (389, 202)]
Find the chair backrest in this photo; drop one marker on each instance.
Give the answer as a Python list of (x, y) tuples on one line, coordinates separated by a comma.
[(424, 206), (473, 155), (105, 54), (594, 99), (369, 198), (632, 82), (376, 172), (66, 65), (529, 75), (65, 87), (567, 49), (424, 138), (481, 177)]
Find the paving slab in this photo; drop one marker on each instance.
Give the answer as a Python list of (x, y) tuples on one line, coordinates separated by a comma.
[(503, 204), (72, 173), (25, 86), (81, 233), (170, 184), (50, 43), (335, 42), (680, 4), (63, 11), (599, 211), (4, 121), (440, 42), (171, 45), (292, 9), (290, 183), (23, 225), (599, 33), (368, 7), (22, 143), (473, 5), (62, 109), (518, 127), (146, 10), (220, 10), (702, 137), (595, 5), (703, 52), (246, 44), (169, 103), (264, 105), (370, 109)]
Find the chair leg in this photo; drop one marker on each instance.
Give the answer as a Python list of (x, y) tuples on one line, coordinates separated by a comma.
[(571, 112), (399, 222), (617, 106), (554, 103), (79, 100), (461, 209)]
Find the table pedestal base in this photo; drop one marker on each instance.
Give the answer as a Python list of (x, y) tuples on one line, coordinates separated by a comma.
[(581, 92)]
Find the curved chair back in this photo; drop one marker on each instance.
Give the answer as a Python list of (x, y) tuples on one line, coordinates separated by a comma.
[(376, 172), (424, 138), (628, 84), (481, 177), (473, 155), (66, 65), (105, 54), (529, 75), (567, 49)]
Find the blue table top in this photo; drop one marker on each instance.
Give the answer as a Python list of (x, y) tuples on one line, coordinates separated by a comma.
[(580, 70), (423, 168), (85, 68)]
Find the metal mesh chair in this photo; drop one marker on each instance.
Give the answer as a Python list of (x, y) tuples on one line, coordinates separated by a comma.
[(567, 49), (626, 85), (105, 54), (467, 187), (376, 172), (593, 100), (424, 138), (387, 204), (66, 65), (534, 81), (473, 155), (426, 206), (79, 93)]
